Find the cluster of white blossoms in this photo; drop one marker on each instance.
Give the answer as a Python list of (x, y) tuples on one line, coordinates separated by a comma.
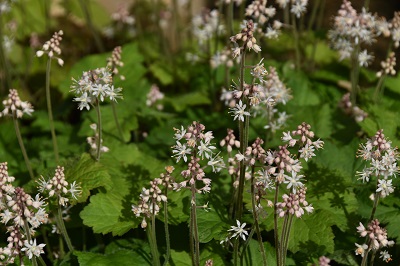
[(206, 26), (154, 96), (196, 143), (351, 29), (382, 162), (238, 231), (52, 47), (57, 187), (13, 106), (94, 86), (21, 214), (376, 239)]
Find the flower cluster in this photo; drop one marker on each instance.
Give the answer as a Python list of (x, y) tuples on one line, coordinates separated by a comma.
[(22, 214), (94, 86), (153, 96), (151, 198), (376, 239), (230, 141), (57, 187), (149, 201), (324, 261), (304, 140), (52, 47), (13, 106), (388, 66), (354, 111), (221, 58), (291, 204), (197, 143), (382, 158), (259, 10), (351, 29), (206, 25), (114, 62), (92, 141), (122, 21), (246, 36)]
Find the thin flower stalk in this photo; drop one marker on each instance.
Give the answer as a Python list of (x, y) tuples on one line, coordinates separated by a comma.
[(256, 218), (113, 63), (14, 107), (100, 130), (88, 18), (53, 50)]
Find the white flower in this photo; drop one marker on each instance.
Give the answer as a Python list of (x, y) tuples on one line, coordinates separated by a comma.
[(31, 248), (84, 101), (180, 151), (239, 230), (75, 190), (293, 181), (307, 152), (205, 149), (216, 163), (364, 58), (360, 250), (239, 111), (385, 256), (385, 187)]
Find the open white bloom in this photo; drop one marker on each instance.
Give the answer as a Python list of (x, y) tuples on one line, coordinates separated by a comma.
[(239, 230), (293, 181), (385, 187), (360, 250), (307, 152), (238, 112), (31, 248)]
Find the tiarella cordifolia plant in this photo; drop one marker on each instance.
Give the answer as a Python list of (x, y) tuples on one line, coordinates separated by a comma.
[(14, 107), (197, 144), (22, 215), (376, 239), (382, 161), (93, 88), (52, 49), (64, 192)]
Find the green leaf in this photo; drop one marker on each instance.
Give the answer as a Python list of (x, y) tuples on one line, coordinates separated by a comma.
[(89, 174), (303, 94), (210, 226), (337, 206), (103, 215), (253, 254), (180, 258), (182, 102), (311, 232), (322, 54), (119, 257), (161, 73)]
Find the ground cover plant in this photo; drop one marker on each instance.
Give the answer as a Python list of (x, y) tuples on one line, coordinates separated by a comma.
[(238, 133)]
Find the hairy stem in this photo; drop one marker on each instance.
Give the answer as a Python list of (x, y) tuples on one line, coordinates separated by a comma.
[(50, 111), (166, 229), (194, 229), (255, 217), (276, 233), (99, 130), (63, 229), (89, 22), (22, 146)]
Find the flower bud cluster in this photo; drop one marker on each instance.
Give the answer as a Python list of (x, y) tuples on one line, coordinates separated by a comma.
[(305, 142), (114, 62), (246, 36), (253, 153), (352, 28), (281, 161), (122, 16), (52, 47), (197, 143), (153, 96), (376, 238), (258, 10), (57, 187), (13, 106), (388, 65), (92, 141), (382, 159), (292, 204), (230, 141), (21, 213), (151, 198), (94, 86), (324, 261), (347, 107)]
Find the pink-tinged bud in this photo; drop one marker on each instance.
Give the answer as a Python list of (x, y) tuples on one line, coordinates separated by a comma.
[(39, 53)]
